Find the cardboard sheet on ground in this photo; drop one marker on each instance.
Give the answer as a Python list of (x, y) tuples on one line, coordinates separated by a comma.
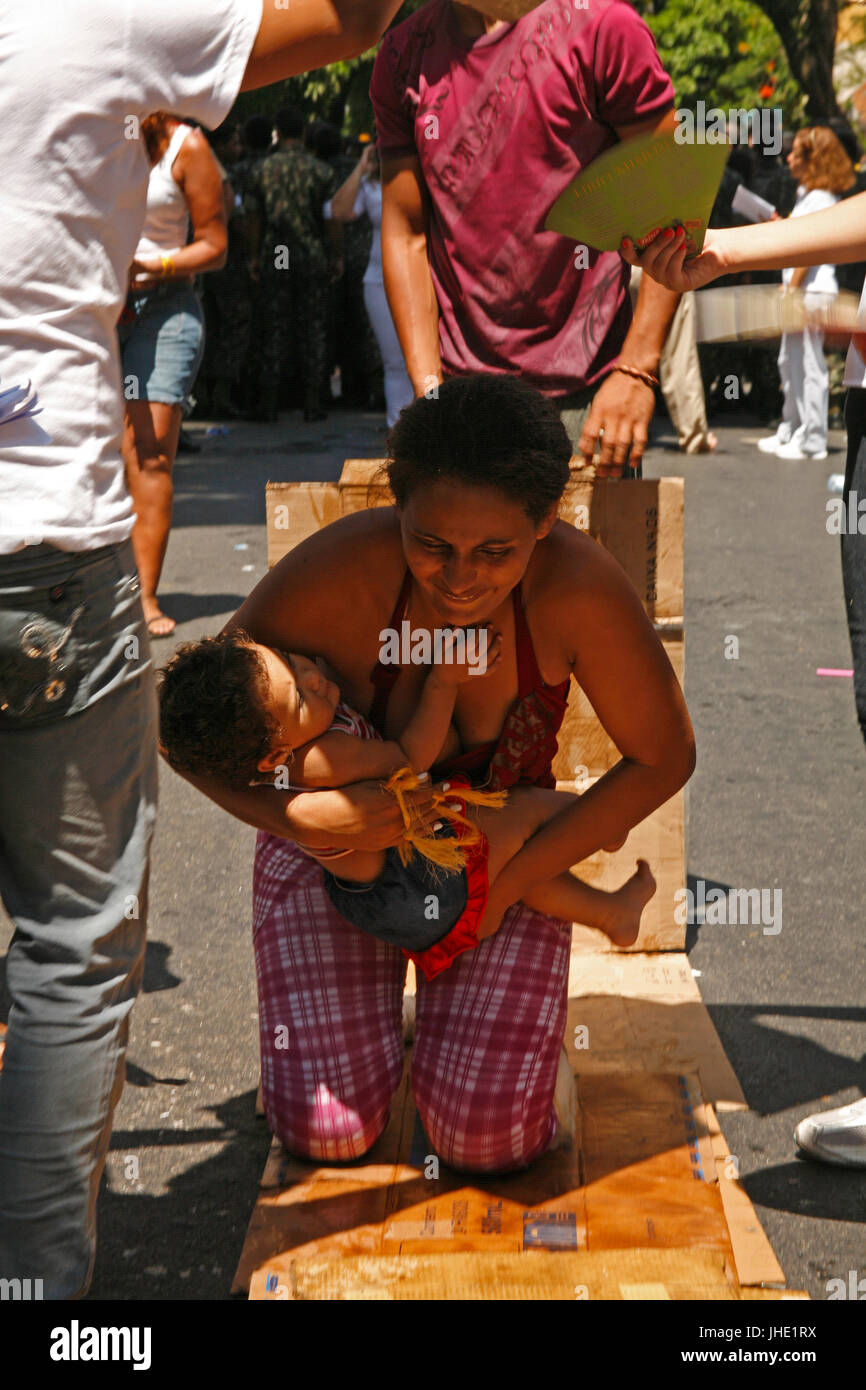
[(641, 1174), (644, 1202), (638, 187), (644, 1014), (616, 1275)]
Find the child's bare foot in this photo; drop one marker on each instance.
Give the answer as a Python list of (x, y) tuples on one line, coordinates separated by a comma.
[(627, 905)]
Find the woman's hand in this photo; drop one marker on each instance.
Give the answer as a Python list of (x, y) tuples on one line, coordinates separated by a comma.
[(664, 259), (618, 421), (363, 816), (368, 163), (146, 273)]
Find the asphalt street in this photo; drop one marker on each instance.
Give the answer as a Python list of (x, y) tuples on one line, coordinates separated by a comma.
[(776, 802)]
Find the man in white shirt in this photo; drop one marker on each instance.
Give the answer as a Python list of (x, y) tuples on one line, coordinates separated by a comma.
[(77, 707)]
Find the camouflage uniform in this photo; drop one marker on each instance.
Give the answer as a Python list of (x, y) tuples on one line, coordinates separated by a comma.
[(288, 189), (227, 300)]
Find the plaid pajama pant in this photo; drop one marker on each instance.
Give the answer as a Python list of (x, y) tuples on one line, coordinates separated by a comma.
[(488, 1031)]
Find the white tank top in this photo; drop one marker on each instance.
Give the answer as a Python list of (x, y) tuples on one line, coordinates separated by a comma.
[(166, 221)]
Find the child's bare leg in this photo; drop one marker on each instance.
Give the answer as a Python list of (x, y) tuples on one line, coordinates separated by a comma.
[(361, 866), (527, 810), (617, 914)]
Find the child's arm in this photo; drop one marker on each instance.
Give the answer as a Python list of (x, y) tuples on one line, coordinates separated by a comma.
[(424, 737), (338, 759)]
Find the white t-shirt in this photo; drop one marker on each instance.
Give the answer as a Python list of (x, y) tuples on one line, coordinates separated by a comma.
[(76, 79), (855, 367), (821, 278)]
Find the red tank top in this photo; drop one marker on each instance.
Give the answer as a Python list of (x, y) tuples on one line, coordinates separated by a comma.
[(527, 745)]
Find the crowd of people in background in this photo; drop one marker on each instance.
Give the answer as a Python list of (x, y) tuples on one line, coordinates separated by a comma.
[(276, 341), (301, 197)]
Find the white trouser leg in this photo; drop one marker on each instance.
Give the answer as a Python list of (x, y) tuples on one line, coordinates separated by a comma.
[(398, 387)]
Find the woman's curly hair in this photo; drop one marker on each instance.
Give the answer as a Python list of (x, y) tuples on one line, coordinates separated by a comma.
[(483, 431), (213, 716), (827, 164)]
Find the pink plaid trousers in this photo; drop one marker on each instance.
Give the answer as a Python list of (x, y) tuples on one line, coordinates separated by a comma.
[(488, 1031)]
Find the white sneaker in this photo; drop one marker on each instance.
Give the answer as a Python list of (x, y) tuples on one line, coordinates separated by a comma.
[(836, 1136), (794, 451), (769, 446)]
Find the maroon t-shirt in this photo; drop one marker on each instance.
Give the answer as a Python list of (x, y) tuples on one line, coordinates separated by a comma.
[(501, 124)]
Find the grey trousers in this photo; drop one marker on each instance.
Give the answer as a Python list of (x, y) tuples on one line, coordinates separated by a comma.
[(78, 786), (680, 374)]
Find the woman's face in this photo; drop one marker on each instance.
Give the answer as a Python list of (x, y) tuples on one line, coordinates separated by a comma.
[(798, 159), (467, 547)]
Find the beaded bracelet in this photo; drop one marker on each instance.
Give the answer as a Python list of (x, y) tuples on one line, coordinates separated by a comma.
[(646, 377)]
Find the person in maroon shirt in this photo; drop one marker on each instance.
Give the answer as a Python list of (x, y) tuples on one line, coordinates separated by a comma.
[(481, 126)]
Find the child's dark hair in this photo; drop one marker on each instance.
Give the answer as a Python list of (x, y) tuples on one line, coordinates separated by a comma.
[(484, 431), (213, 719)]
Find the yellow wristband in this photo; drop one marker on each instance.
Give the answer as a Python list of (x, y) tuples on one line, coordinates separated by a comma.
[(167, 266)]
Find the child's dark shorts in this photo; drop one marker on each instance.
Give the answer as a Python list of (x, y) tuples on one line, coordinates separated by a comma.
[(430, 913)]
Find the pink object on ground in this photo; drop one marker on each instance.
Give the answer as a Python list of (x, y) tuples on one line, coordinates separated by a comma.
[(830, 671)]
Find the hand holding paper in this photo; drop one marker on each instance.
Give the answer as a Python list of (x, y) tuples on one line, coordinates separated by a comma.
[(636, 188)]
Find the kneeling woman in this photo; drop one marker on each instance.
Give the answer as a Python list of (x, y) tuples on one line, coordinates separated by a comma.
[(477, 475)]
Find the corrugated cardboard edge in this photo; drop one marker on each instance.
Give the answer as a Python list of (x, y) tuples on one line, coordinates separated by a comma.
[(534, 1275), (753, 1254)]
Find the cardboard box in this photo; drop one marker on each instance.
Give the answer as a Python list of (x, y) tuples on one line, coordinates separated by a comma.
[(621, 1275), (639, 522)]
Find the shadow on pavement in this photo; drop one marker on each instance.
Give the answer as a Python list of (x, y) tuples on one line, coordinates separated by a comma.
[(173, 1246)]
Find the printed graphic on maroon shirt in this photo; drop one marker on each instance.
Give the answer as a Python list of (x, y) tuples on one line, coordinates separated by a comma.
[(500, 125)]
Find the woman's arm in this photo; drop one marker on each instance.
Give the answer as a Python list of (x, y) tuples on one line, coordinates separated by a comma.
[(361, 816), (406, 269), (622, 667), (307, 34), (836, 235), (343, 201)]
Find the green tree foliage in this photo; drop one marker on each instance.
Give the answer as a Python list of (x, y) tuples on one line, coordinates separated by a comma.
[(726, 55), (338, 93)]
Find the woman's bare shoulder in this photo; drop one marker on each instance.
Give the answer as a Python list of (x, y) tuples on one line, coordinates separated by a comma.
[(363, 542), (567, 563), (576, 592), (353, 564)]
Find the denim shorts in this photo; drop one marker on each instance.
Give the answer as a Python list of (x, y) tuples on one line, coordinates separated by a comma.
[(162, 347), (397, 906)]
